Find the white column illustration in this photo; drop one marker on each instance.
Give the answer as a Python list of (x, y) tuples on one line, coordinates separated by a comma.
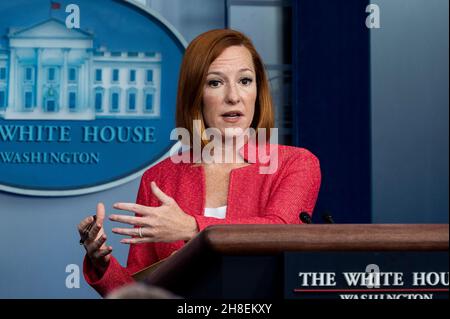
[(91, 82), (12, 101), (140, 100), (39, 70), (86, 85), (80, 86), (18, 79), (63, 103)]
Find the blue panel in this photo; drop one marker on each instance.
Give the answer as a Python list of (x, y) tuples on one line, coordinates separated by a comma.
[(72, 74), (132, 75), (98, 101), (51, 74), (115, 76), (115, 101), (149, 102), (331, 72), (28, 100), (2, 99), (149, 75), (72, 100), (98, 75), (132, 101), (28, 74), (51, 106)]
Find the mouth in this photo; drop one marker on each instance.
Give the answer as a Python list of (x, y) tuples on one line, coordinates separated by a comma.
[(232, 114)]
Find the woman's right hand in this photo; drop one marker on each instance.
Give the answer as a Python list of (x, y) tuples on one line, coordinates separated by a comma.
[(95, 244)]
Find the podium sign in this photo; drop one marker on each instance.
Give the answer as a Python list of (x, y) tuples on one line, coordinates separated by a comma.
[(367, 275)]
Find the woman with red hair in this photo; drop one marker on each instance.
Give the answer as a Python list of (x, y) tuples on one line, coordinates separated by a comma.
[(222, 85)]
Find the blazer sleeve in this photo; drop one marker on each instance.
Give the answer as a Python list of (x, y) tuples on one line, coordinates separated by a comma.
[(295, 191), (139, 256)]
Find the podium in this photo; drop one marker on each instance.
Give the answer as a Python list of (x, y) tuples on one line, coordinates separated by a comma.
[(251, 261)]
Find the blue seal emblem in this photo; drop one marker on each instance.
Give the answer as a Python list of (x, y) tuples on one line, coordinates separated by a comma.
[(87, 94)]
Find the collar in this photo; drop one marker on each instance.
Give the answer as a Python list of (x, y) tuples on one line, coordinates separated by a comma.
[(251, 152)]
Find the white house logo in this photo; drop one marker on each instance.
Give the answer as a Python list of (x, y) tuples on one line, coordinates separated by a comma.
[(87, 108), (55, 73)]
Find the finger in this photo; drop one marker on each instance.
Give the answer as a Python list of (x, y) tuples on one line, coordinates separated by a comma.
[(165, 199), (128, 231), (100, 213), (137, 240), (131, 220), (96, 245), (99, 218), (102, 252), (135, 208), (84, 224), (94, 231)]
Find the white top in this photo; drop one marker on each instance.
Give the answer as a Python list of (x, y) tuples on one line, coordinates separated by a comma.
[(217, 212)]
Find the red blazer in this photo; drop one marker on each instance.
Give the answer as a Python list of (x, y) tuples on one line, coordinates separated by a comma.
[(253, 198)]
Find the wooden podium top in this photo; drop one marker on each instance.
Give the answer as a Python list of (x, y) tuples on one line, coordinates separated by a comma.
[(247, 239), (275, 239)]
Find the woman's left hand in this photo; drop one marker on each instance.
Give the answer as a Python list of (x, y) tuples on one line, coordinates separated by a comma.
[(165, 223)]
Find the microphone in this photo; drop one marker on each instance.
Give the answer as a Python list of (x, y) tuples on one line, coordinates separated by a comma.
[(327, 218), (305, 218)]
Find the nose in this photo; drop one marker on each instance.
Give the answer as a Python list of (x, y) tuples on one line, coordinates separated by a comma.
[(232, 95)]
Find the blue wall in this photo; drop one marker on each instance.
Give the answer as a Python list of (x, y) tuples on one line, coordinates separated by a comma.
[(409, 97), (39, 239)]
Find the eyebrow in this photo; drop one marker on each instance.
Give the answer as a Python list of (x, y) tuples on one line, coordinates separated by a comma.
[(222, 74)]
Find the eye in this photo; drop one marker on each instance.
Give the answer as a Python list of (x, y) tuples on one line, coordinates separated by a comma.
[(246, 81), (214, 83)]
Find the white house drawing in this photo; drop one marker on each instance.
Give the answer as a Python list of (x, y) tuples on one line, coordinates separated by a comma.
[(51, 72)]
